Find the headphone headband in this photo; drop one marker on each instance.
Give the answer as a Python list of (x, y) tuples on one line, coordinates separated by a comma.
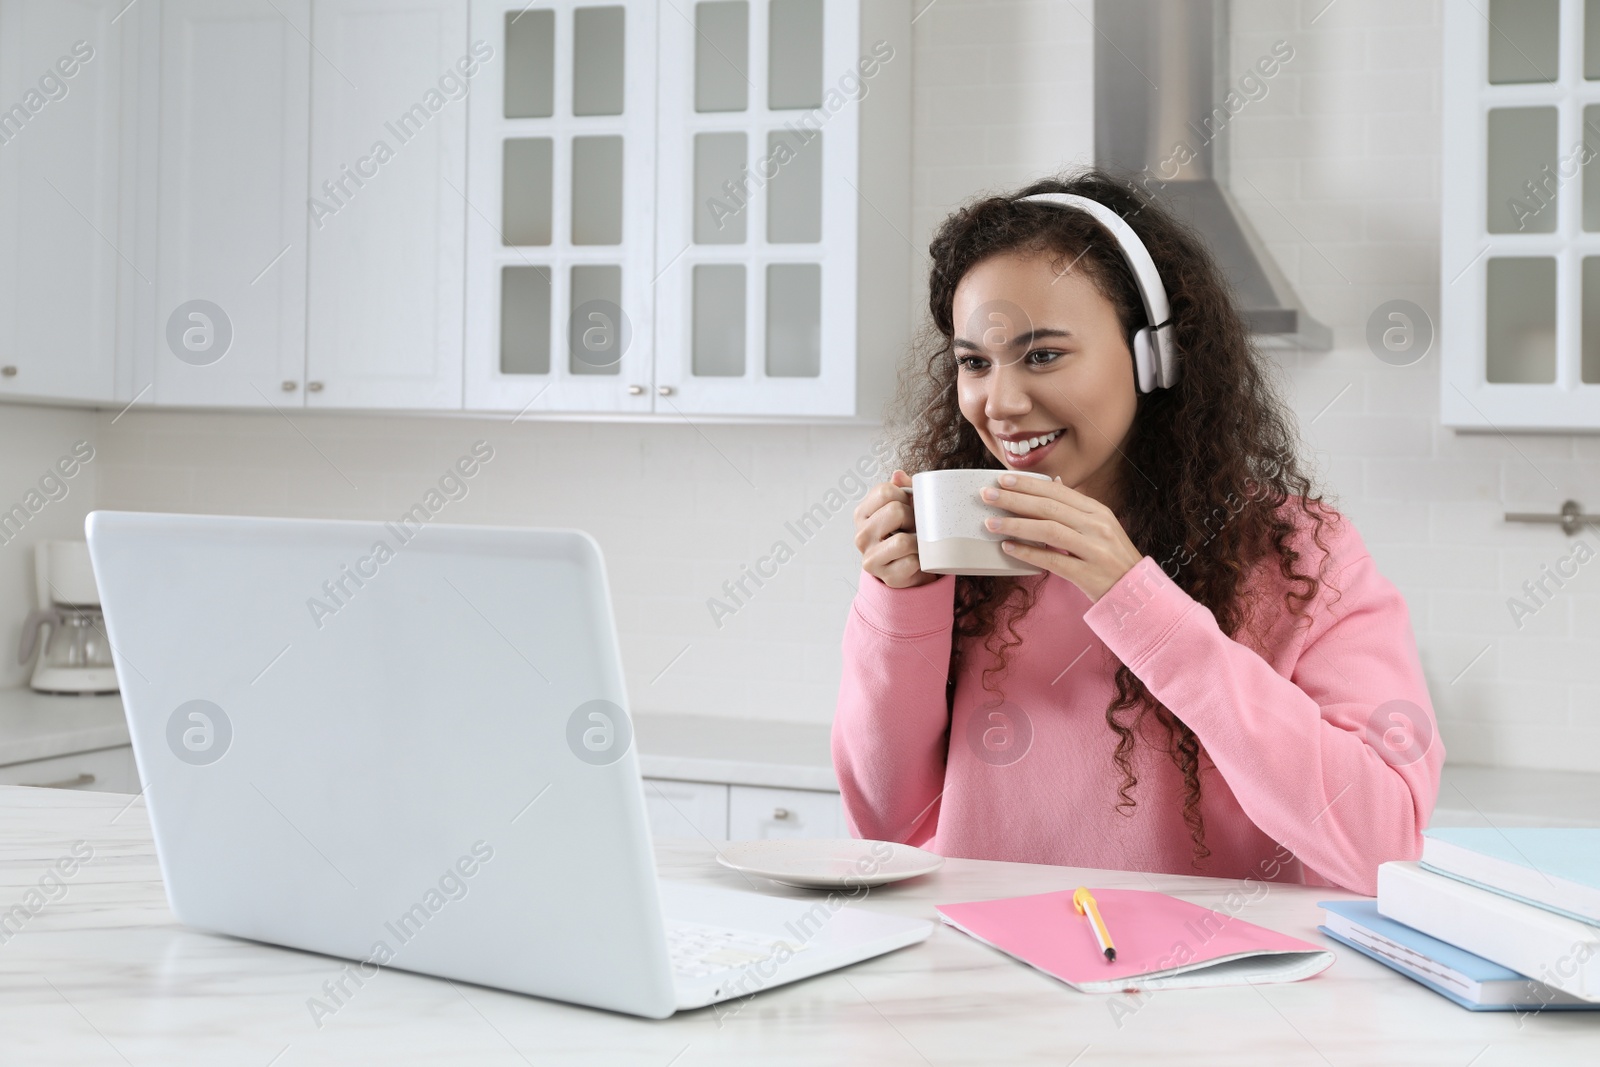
[(1155, 352)]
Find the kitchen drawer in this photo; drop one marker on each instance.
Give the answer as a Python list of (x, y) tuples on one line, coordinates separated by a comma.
[(756, 813), (687, 809), (106, 770)]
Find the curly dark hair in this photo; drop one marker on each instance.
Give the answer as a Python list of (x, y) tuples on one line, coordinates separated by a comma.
[(1208, 466)]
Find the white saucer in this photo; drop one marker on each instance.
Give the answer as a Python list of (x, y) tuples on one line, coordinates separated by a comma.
[(826, 864)]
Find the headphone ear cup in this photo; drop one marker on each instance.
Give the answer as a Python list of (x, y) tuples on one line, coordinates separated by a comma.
[(1144, 360), (1165, 358)]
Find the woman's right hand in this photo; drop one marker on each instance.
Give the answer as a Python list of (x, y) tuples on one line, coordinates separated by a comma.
[(886, 534)]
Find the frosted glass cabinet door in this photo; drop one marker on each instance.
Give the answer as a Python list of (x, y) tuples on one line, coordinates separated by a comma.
[(230, 295), (561, 186), (760, 161), (1522, 150), (721, 55), (387, 228), (58, 200), (1524, 45), (1518, 330), (1520, 320)]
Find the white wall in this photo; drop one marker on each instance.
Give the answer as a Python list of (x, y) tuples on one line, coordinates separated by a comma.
[(32, 441), (1338, 168)]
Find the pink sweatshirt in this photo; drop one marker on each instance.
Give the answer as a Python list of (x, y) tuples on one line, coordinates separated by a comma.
[(1318, 737)]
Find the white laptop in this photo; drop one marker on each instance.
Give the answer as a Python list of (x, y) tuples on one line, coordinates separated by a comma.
[(408, 746)]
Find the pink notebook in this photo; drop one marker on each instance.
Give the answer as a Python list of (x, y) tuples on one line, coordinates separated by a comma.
[(1162, 942)]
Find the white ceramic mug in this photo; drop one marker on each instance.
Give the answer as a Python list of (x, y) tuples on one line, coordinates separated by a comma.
[(951, 537)]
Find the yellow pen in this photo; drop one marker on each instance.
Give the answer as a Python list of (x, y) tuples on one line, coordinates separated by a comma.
[(1083, 903)]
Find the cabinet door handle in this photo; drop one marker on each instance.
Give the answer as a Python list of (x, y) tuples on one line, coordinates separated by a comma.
[(290, 387), (8, 371), (65, 783), (664, 390), (635, 390), (313, 387), (780, 813)]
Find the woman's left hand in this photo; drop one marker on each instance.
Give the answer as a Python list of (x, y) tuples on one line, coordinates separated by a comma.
[(1087, 545)]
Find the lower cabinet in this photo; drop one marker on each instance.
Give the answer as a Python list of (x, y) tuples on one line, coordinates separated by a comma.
[(740, 812), (686, 809), (756, 813), (105, 770)]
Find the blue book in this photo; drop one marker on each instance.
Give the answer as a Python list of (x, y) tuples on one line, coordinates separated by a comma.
[(1471, 981), (1556, 868)]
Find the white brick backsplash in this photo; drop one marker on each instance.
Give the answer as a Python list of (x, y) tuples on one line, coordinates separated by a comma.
[(1544, 658), (1370, 435), (1409, 390), (1541, 705), (1510, 742), (1431, 479), (1586, 626), (1389, 522), (1463, 611), (1438, 566), (1453, 662)]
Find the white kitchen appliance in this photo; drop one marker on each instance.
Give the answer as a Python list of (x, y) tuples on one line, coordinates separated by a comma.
[(65, 636), (408, 746)]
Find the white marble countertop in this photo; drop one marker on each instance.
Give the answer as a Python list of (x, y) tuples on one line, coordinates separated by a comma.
[(104, 975), (39, 725), (1512, 796), (698, 748), (703, 748)]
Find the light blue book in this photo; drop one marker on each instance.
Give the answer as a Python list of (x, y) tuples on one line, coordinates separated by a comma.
[(1471, 981), (1557, 868)]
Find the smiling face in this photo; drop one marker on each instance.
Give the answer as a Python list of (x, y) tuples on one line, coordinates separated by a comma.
[(1044, 373)]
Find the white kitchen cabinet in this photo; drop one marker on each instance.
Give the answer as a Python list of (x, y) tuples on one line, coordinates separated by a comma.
[(389, 88), (309, 205), (560, 242), (1520, 222), (105, 770), (723, 812), (729, 185), (230, 290), (687, 809), (206, 218), (782, 261), (758, 813), (63, 150)]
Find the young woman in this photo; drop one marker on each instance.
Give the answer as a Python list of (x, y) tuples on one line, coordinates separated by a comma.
[(1210, 676)]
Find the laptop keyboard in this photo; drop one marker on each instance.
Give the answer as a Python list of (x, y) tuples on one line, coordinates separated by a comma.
[(697, 950)]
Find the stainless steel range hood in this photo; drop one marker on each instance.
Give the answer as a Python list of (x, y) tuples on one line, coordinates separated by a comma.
[(1161, 73)]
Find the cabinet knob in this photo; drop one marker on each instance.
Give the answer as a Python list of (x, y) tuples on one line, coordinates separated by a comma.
[(780, 813), (8, 371), (664, 390), (313, 387), (635, 390), (290, 387)]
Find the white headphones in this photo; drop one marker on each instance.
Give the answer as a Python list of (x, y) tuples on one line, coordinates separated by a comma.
[(1155, 354)]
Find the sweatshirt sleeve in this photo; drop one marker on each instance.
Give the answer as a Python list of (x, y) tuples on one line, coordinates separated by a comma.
[(1339, 761), (889, 743)]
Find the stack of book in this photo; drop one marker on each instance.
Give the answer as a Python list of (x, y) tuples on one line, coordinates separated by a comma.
[(1496, 920)]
